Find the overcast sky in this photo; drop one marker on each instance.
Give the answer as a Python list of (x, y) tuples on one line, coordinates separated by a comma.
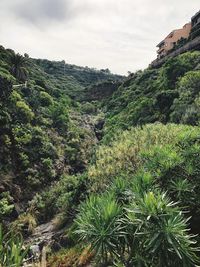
[(117, 34)]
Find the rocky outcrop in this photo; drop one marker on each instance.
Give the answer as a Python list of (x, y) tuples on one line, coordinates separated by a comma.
[(100, 91)]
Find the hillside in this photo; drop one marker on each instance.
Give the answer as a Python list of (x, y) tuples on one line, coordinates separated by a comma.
[(167, 94), (102, 169), (84, 75), (44, 133)]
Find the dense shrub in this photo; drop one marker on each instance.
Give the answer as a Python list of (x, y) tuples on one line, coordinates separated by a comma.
[(154, 156), (149, 231), (88, 108), (39, 139), (46, 99), (63, 197), (6, 205), (185, 108), (167, 94)]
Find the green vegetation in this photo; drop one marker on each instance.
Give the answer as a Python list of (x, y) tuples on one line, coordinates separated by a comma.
[(84, 75), (113, 163), (148, 231), (6, 205), (135, 169), (63, 198), (40, 138), (167, 94), (18, 67), (12, 252)]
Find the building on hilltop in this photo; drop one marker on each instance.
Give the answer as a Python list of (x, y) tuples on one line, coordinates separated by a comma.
[(179, 41), (171, 40), (195, 31)]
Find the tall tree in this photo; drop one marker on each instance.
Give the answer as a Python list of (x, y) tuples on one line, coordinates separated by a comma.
[(18, 67)]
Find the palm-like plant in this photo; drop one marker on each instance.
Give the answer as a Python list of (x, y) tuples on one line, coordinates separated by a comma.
[(99, 225), (163, 231), (121, 190), (150, 231), (181, 187), (18, 67)]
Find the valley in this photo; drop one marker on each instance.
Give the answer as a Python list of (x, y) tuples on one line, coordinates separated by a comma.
[(101, 169)]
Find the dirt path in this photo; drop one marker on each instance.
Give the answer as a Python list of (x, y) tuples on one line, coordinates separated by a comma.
[(42, 233)]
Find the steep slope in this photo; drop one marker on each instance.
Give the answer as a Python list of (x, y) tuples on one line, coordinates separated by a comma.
[(84, 75), (167, 94), (43, 134), (78, 77)]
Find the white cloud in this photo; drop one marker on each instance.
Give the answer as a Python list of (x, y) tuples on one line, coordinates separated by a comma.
[(119, 34)]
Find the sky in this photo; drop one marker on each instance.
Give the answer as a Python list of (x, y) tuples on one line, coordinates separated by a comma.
[(117, 34)]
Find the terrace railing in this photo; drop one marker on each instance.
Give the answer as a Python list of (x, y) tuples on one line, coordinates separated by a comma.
[(191, 45)]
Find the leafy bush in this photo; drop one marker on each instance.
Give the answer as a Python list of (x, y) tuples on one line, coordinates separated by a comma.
[(151, 157), (88, 108), (6, 205), (6, 82), (46, 99), (125, 153), (63, 197), (99, 225), (186, 109), (150, 231), (24, 111)]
